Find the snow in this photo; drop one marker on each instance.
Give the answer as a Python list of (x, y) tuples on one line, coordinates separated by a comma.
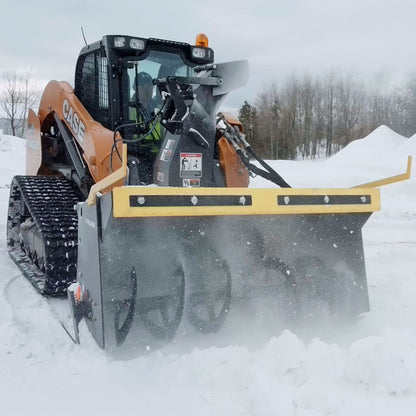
[(361, 367)]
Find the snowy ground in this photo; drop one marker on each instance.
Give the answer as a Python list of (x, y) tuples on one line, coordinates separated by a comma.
[(363, 367)]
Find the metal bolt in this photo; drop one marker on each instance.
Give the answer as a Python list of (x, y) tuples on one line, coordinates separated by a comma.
[(194, 200), (141, 200)]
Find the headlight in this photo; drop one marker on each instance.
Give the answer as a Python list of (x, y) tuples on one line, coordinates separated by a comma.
[(137, 44), (119, 42), (198, 53)]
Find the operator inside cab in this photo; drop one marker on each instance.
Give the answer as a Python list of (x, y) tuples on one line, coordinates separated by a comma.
[(143, 96), (149, 135)]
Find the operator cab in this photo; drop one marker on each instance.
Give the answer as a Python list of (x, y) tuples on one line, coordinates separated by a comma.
[(106, 72), (115, 80)]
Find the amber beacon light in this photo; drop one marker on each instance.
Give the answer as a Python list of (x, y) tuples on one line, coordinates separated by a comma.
[(201, 40)]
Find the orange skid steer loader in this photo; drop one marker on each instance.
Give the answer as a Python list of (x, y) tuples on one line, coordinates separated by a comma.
[(136, 200)]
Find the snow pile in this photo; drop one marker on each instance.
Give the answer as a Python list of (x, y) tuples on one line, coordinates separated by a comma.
[(12, 162), (392, 370), (13, 154), (408, 147), (375, 148), (383, 153), (363, 367)]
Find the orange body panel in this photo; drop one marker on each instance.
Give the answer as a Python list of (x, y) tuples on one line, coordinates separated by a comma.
[(234, 171), (94, 140), (33, 144), (232, 120)]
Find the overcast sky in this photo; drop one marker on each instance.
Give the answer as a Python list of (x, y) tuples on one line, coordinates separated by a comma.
[(278, 37)]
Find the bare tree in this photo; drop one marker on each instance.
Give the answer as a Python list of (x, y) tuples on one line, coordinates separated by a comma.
[(267, 104), (16, 97), (404, 117), (349, 106), (290, 132), (329, 109), (306, 104)]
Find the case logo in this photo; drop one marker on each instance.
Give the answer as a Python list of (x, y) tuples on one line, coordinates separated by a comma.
[(72, 118)]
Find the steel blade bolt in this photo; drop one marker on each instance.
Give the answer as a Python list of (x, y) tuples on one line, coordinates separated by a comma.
[(194, 200), (242, 200), (363, 199), (286, 199), (326, 199), (141, 200)]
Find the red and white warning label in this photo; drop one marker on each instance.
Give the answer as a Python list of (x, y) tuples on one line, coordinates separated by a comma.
[(190, 165)]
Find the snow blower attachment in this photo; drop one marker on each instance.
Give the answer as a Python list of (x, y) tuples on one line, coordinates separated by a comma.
[(134, 257), (202, 247)]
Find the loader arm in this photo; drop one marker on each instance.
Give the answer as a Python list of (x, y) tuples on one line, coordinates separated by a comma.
[(68, 137)]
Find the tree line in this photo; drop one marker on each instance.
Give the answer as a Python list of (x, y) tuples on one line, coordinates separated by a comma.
[(305, 117), (309, 117)]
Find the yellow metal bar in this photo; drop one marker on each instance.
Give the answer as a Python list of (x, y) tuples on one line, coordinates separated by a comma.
[(133, 201), (109, 180), (391, 179)]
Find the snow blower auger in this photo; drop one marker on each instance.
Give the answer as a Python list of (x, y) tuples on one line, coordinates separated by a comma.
[(165, 225)]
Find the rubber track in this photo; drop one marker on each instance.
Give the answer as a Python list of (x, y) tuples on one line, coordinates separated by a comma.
[(50, 201)]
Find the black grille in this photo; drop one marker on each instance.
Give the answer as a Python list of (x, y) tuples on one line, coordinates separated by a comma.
[(91, 86)]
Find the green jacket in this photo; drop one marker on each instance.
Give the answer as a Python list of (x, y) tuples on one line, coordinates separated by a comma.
[(153, 130)]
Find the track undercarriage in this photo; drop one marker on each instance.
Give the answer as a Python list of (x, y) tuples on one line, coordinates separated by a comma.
[(42, 230)]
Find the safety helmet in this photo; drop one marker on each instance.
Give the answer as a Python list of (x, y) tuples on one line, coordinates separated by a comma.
[(143, 78)]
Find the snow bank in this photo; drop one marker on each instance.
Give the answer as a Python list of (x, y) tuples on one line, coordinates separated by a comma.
[(384, 364), (381, 154), (407, 148), (375, 148), (12, 157), (12, 162)]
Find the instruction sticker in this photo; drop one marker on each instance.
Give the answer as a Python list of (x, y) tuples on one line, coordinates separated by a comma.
[(191, 182), (166, 154), (169, 144), (160, 176), (190, 165)]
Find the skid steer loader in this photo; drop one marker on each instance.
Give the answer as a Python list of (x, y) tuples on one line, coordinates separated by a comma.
[(136, 201)]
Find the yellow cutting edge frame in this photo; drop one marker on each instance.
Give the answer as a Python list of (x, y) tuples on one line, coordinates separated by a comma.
[(390, 179), (264, 201)]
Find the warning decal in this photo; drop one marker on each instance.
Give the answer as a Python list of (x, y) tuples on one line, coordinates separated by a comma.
[(190, 165)]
